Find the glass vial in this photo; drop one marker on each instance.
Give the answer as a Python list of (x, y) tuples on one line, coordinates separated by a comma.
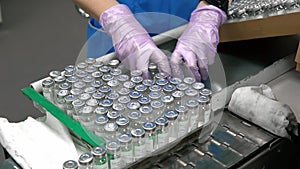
[(110, 130), (162, 131), (139, 145), (114, 154), (85, 161), (172, 115), (125, 140), (151, 136), (183, 120), (70, 164), (48, 89), (204, 110), (100, 159), (192, 105), (99, 126)]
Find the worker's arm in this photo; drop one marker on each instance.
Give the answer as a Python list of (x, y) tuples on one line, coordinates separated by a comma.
[(197, 46), (95, 7), (132, 43)]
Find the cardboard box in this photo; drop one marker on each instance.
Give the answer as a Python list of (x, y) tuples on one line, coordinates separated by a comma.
[(281, 25), (297, 59)]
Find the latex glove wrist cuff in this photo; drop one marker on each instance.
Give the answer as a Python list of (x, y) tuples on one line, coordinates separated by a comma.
[(207, 13), (222, 4)]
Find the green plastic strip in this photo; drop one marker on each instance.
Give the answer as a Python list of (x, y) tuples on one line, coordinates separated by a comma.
[(73, 125)]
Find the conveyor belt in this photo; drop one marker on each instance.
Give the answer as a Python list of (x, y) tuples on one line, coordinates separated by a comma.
[(233, 142)]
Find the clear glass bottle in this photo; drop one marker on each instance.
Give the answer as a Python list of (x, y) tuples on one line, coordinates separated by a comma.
[(86, 161), (182, 87), (104, 89), (81, 66), (88, 80), (68, 74), (58, 80), (189, 81), (153, 69), (160, 75), (168, 89), (193, 113), (155, 95), (97, 75), (107, 77), (206, 92), (100, 159), (76, 92), (90, 61), (158, 107), (150, 136), (98, 96), (125, 140), (98, 64), (106, 103), (162, 131), (178, 97), (113, 115), (183, 120), (110, 130), (139, 145), (128, 84), (70, 164), (205, 110), (146, 112), (114, 154), (161, 82), (144, 100), (133, 106), (60, 101), (135, 119), (97, 84), (137, 79), (54, 73), (114, 85), (87, 117), (172, 115), (100, 111), (99, 126), (122, 78), (141, 88), (115, 72), (79, 85), (78, 105), (123, 125), (198, 85), (113, 96), (69, 106), (135, 95), (81, 74), (72, 80), (119, 107), (48, 85), (136, 73), (104, 69), (90, 90), (84, 97), (124, 91), (65, 86), (175, 81), (92, 102), (168, 100), (189, 94), (114, 63)]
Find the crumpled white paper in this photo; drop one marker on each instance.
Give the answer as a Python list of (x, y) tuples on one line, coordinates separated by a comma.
[(35, 145), (258, 104)]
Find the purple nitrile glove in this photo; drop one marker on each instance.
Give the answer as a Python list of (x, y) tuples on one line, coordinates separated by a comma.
[(197, 46), (133, 45)]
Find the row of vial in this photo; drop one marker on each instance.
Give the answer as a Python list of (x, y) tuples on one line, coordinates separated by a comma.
[(129, 110), (261, 8)]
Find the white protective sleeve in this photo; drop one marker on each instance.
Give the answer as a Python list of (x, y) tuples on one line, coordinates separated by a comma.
[(258, 104)]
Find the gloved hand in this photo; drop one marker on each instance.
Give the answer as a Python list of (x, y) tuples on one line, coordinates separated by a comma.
[(197, 45), (132, 43)]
